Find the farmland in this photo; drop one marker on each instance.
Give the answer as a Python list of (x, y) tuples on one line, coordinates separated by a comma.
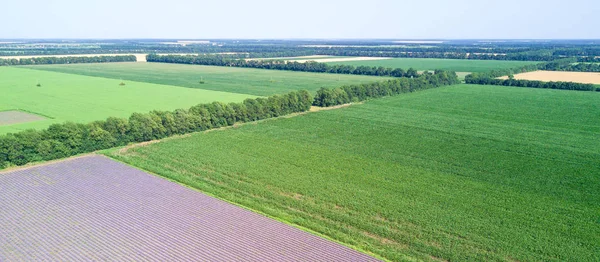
[(310, 57), (341, 59), (457, 65), (68, 97), (95, 209), (464, 172), (578, 77), (257, 82)]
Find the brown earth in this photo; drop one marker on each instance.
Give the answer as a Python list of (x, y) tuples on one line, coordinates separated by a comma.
[(555, 76), (16, 117)]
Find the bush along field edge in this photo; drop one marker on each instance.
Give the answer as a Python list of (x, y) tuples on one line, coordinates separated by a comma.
[(69, 139)]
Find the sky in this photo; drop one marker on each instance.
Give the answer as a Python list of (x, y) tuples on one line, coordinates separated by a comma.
[(314, 19)]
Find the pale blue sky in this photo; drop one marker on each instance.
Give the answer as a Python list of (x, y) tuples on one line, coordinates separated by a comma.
[(416, 19)]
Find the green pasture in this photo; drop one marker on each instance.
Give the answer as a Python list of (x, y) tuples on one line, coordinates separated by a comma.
[(69, 97)]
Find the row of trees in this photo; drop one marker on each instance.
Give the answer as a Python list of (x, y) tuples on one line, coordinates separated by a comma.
[(474, 79), (311, 66), (66, 60), (572, 65), (63, 140), (354, 93)]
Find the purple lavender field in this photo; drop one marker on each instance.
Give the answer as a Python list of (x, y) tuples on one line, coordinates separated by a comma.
[(93, 208)]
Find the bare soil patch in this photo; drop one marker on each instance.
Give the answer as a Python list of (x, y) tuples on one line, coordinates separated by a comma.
[(124, 149), (555, 76), (318, 108), (16, 117)]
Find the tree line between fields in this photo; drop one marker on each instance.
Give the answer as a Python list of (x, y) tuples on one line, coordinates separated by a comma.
[(68, 139), (567, 64), (584, 52), (310, 66), (326, 97), (537, 55), (483, 78), (66, 60)]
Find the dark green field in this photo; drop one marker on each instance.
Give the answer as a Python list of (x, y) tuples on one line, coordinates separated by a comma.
[(457, 173), (217, 78)]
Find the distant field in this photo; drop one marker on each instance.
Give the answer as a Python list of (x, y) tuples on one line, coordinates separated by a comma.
[(467, 172), (323, 59), (343, 59), (296, 57), (457, 65), (68, 97), (258, 82), (578, 77)]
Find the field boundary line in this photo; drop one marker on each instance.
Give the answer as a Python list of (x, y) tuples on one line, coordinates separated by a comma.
[(308, 230), (44, 163), (313, 109), (28, 111)]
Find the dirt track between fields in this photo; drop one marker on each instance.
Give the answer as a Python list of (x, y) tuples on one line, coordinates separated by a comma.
[(555, 76)]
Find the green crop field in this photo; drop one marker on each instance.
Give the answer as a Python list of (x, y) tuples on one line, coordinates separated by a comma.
[(68, 97), (456, 173), (457, 65), (258, 82)]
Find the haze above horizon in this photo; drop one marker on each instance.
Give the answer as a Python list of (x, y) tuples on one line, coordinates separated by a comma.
[(309, 19)]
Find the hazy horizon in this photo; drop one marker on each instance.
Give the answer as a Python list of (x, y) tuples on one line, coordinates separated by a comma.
[(298, 20)]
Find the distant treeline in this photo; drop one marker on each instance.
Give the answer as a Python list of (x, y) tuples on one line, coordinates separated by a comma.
[(68, 139), (440, 55), (310, 66), (355, 93), (571, 64), (523, 51), (66, 60), (530, 83)]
